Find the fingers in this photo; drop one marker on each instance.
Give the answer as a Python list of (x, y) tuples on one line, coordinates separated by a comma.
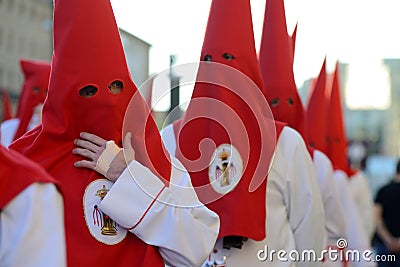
[(129, 152), (88, 145), (127, 140), (85, 164), (86, 153), (93, 138)]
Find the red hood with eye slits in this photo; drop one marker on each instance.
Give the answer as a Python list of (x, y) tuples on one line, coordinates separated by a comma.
[(34, 91), (88, 51), (336, 132), (83, 55), (229, 110), (276, 63), (317, 111)]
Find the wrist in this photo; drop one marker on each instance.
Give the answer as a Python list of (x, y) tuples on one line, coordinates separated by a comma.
[(117, 167), (106, 158)]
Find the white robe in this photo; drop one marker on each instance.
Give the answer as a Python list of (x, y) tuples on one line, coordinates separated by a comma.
[(171, 218), (362, 195), (355, 235), (295, 215), (7, 130), (32, 228), (9, 127), (334, 218), (176, 222)]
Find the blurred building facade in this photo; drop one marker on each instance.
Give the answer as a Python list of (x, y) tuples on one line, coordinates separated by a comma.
[(25, 32), (137, 56)]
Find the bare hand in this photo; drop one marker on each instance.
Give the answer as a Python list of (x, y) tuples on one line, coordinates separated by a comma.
[(92, 146), (89, 146)]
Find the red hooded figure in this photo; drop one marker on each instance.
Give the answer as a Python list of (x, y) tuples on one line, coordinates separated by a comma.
[(227, 135), (34, 91), (336, 134), (89, 90), (276, 63), (317, 112)]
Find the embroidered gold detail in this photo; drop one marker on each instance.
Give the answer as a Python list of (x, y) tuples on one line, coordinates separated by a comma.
[(108, 226)]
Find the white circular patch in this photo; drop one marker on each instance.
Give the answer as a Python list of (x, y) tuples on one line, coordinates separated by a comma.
[(226, 168), (101, 227)]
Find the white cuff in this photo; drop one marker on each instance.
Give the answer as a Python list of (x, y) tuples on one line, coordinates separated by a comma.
[(132, 195)]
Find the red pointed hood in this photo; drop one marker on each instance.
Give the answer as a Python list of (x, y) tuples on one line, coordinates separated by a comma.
[(229, 32), (33, 93), (276, 62), (317, 112), (7, 113), (88, 70), (88, 52), (337, 141), (228, 119)]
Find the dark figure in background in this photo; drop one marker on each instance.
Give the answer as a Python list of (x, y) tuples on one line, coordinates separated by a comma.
[(387, 213)]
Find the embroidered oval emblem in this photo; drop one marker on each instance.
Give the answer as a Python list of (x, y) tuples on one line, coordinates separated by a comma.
[(226, 168), (100, 225)]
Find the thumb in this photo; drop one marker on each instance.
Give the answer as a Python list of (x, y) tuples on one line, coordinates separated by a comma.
[(129, 152)]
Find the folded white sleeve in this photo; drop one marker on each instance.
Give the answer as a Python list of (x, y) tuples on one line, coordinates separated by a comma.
[(171, 218), (32, 228)]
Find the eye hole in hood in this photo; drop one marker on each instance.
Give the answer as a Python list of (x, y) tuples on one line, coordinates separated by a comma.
[(116, 87), (275, 102), (228, 56), (36, 90), (207, 57), (88, 91)]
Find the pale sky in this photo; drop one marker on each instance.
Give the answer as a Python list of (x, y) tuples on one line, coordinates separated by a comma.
[(343, 29), (351, 31)]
